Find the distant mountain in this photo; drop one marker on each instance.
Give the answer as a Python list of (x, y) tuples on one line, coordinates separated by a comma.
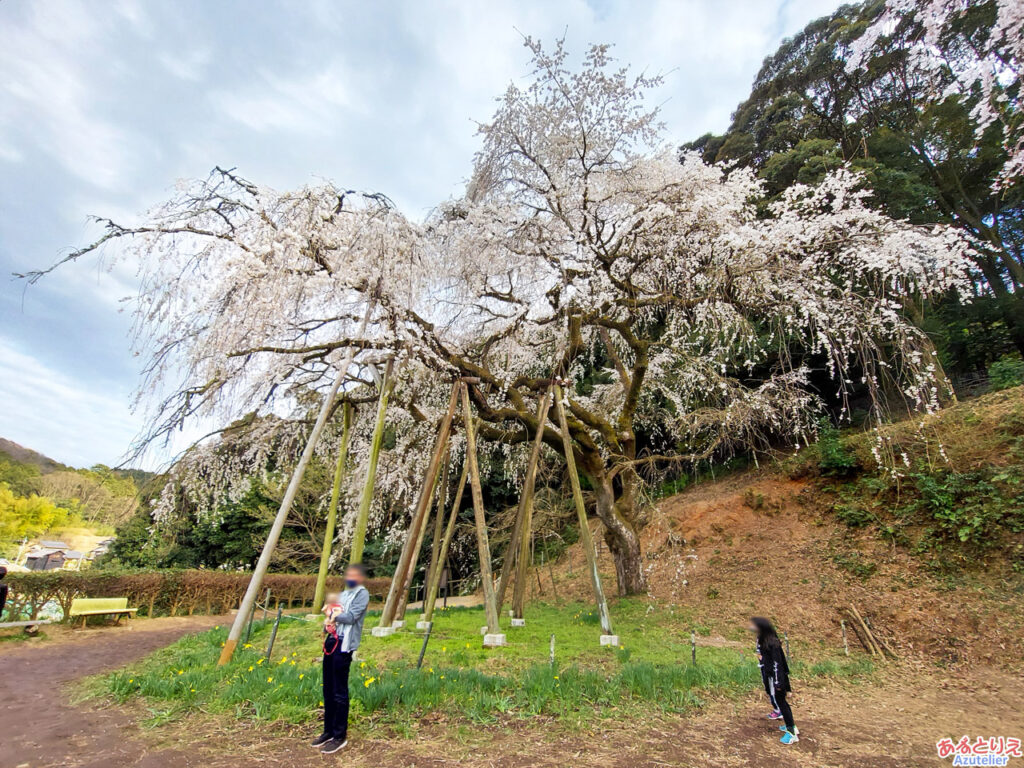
[(23, 455)]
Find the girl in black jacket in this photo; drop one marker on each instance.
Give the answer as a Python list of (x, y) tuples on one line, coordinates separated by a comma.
[(775, 676)]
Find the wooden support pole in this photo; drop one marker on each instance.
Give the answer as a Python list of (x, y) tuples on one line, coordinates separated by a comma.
[(435, 544), (387, 617), (403, 596), (263, 564), (586, 540), (442, 554), (366, 499), (518, 545), (483, 547), (332, 510)]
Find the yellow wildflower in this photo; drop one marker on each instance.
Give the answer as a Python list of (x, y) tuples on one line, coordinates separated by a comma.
[(366, 683), (251, 667), (270, 679), (181, 671), (301, 675)]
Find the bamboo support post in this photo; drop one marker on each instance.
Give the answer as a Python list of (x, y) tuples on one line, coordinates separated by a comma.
[(263, 563), (366, 499), (439, 490), (693, 647), (440, 446), (586, 539), (332, 510), (846, 645), (519, 545), (493, 635), (442, 555), (442, 507)]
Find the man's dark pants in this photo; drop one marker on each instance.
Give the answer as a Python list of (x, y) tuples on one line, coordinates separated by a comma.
[(336, 667)]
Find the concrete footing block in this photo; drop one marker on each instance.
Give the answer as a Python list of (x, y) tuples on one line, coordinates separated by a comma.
[(611, 640), (423, 624), (398, 623), (383, 631), (518, 622), (494, 641), (483, 630)]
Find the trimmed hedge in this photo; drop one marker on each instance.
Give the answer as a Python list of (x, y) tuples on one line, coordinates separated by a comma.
[(168, 592)]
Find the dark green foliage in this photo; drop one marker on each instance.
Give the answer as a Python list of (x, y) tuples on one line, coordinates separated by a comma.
[(916, 148), (1006, 372), (854, 515), (833, 459), (973, 508), (20, 477)]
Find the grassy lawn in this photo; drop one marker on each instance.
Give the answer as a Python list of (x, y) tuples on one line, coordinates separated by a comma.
[(650, 670)]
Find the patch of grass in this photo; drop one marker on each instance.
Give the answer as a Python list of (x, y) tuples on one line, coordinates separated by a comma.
[(855, 563), (649, 671)]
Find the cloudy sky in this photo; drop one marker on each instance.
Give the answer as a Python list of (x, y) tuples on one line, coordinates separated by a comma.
[(103, 106)]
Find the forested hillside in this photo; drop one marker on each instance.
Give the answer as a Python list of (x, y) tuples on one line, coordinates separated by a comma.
[(40, 496)]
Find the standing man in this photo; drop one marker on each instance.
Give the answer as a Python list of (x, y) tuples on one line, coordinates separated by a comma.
[(343, 628)]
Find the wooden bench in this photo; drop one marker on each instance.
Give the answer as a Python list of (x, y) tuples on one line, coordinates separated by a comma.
[(100, 606)]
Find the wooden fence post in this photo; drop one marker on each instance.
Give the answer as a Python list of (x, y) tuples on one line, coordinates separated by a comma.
[(273, 632)]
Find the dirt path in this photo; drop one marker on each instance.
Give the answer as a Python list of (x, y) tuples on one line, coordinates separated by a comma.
[(40, 729)]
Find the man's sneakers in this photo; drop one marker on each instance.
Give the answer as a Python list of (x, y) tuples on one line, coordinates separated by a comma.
[(332, 745), (775, 715), (789, 737), (320, 740)]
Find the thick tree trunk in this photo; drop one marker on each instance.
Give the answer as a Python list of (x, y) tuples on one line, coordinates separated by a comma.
[(622, 534)]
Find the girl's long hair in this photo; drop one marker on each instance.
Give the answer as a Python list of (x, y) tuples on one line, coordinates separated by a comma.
[(767, 637)]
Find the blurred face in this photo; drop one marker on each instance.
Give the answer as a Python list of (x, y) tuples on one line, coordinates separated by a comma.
[(353, 578), (752, 627)]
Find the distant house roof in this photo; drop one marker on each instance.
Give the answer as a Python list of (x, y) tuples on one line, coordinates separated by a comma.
[(53, 544), (74, 554), (45, 553)]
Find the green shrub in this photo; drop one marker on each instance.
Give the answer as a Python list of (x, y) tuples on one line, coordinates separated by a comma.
[(854, 515), (1006, 372), (833, 459)]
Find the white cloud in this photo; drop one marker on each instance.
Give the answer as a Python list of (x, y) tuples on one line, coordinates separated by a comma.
[(51, 99), (48, 409)]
